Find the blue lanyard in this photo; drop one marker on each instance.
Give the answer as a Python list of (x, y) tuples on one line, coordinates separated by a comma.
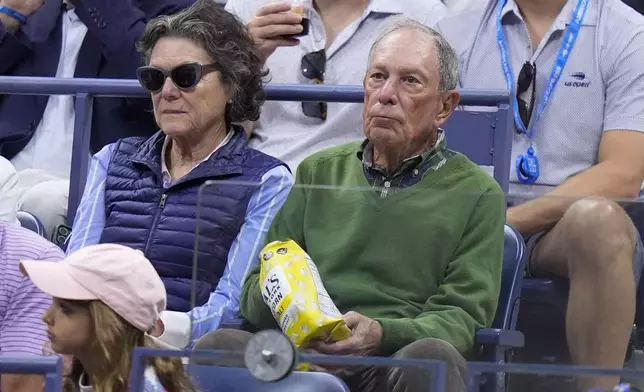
[(562, 58)]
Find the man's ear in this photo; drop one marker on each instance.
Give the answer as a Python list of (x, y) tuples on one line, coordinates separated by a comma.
[(449, 101)]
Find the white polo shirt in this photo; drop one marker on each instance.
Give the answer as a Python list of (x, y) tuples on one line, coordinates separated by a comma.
[(601, 87), (283, 131)]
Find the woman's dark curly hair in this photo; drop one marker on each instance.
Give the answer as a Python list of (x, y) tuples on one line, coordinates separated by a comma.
[(227, 41)]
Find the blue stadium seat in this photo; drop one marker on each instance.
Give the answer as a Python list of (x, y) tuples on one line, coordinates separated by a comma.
[(499, 341), (485, 138), (542, 320), (225, 379), (31, 222), (546, 336)]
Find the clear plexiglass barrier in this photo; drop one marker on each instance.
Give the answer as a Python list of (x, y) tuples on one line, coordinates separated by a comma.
[(412, 287)]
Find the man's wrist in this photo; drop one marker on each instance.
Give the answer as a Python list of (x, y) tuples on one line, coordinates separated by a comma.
[(380, 332)]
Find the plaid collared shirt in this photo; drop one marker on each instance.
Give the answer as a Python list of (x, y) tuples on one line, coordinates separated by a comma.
[(410, 172)]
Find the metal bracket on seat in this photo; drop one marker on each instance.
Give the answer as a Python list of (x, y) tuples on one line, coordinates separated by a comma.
[(270, 356)]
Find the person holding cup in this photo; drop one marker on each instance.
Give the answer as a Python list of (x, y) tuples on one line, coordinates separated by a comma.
[(340, 33)]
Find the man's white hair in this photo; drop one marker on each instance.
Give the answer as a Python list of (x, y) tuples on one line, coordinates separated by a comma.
[(447, 58)]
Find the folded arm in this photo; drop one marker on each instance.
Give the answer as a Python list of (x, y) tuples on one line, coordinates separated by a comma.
[(8, 191), (619, 171), (618, 175)]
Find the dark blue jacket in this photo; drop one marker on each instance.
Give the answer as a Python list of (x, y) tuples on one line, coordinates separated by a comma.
[(637, 5), (108, 51), (142, 214)]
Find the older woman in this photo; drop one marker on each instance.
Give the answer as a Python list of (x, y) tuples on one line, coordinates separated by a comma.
[(204, 75)]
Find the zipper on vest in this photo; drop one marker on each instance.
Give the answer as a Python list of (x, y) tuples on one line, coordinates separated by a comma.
[(164, 197)]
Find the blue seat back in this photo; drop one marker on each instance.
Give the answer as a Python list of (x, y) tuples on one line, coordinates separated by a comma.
[(514, 263), (31, 222), (51, 367), (485, 137), (225, 379)]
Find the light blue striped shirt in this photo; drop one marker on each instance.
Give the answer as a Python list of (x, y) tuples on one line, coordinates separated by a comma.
[(223, 304)]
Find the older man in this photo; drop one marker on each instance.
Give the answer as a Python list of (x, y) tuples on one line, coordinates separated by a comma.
[(334, 51), (22, 331), (414, 260)]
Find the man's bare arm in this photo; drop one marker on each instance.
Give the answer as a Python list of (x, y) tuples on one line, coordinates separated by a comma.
[(21, 383), (617, 175)]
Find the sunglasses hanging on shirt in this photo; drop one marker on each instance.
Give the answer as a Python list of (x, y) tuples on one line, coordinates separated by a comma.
[(184, 76), (527, 79), (527, 166), (313, 66)]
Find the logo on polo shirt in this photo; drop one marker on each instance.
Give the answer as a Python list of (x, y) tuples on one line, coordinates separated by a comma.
[(577, 79)]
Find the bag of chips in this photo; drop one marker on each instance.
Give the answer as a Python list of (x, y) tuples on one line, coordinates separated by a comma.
[(292, 289)]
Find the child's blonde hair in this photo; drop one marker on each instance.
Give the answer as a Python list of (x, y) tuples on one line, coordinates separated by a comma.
[(114, 340)]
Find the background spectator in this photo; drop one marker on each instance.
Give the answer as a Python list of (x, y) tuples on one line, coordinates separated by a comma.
[(334, 51), (22, 332), (88, 38), (596, 151)]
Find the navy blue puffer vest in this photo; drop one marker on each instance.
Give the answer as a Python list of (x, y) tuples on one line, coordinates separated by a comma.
[(142, 214)]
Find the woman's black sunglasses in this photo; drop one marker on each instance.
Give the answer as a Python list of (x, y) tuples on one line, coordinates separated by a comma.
[(184, 76)]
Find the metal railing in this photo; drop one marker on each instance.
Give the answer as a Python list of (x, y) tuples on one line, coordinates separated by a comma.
[(51, 367), (86, 90)]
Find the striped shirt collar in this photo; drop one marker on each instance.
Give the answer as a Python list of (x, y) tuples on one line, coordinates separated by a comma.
[(425, 161), (165, 173)]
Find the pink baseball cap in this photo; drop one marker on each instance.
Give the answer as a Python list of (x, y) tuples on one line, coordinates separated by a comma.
[(121, 277)]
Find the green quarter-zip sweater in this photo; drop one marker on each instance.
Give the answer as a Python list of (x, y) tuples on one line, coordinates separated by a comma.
[(424, 260)]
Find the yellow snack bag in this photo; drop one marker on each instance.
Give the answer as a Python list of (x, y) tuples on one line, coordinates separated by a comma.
[(292, 289)]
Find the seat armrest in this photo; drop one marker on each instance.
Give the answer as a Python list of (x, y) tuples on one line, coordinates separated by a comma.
[(232, 325), (499, 337), (244, 325)]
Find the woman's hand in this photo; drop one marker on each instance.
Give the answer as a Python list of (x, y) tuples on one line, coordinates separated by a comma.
[(273, 26)]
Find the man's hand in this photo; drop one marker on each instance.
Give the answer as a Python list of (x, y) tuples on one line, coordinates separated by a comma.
[(272, 27), (365, 338), (25, 7)]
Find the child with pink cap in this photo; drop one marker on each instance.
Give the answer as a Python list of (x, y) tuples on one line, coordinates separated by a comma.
[(106, 299)]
